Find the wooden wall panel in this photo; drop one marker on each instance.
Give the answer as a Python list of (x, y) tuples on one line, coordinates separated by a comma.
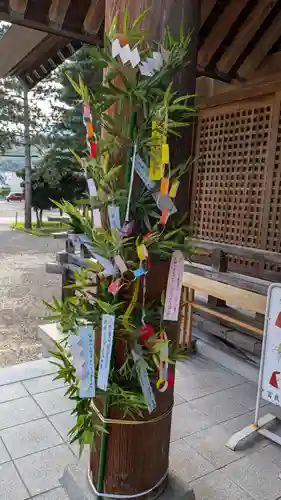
[(232, 187)]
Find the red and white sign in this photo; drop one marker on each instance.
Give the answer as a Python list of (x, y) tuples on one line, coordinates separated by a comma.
[(271, 372)]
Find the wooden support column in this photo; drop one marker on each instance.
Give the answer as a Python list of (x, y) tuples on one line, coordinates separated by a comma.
[(219, 263), (58, 10), (18, 6), (130, 448), (170, 13), (94, 17)]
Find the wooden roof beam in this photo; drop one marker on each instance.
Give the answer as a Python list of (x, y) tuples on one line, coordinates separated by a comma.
[(245, 34), (58, 10), (220, 31), (206, 9), (261, 49), (270, 65), (94, 17), (18, 6)]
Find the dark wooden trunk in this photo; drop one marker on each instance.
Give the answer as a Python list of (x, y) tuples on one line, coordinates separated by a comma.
[(137, 456)]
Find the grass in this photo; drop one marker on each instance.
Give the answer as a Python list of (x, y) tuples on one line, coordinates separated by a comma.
[(47, 228)]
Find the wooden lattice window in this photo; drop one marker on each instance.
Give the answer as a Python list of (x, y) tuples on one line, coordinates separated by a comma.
[(230, 174)]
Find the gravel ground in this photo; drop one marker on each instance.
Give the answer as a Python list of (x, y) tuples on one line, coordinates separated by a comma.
[(23, 285)]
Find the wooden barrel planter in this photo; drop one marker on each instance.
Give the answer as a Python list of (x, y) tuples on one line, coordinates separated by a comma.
[(137, 454), (136, 458)]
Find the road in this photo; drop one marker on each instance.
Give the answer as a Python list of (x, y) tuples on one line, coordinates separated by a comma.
[(9, 209), (23, 285)]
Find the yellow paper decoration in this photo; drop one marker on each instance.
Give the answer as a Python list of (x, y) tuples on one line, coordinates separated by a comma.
[(142, 252), (174, 189), (156, 170), (165, 154)]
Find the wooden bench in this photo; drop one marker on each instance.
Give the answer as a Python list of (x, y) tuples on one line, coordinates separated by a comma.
[(224, 288), (241, 298)]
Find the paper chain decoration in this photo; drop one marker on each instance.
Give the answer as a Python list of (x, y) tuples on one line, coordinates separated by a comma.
[(151, 65), (148, 67), (125, 53)]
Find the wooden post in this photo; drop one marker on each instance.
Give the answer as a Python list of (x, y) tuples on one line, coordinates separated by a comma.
[(188, 338), (27, 170), (219, 263), (130, 448)]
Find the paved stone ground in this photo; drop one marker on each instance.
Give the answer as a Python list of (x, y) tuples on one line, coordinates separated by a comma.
[(211, 404), (23, 286)]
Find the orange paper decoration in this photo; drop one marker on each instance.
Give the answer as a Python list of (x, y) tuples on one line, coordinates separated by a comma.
[(164, 189), (123, 39), (90, 129)]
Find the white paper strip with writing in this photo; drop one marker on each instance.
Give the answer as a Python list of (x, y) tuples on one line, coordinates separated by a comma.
[(114, 217), (92, 187), (121, 264), (97, 218), (144, 381), (107, 332), (86, 367), (174, 286)]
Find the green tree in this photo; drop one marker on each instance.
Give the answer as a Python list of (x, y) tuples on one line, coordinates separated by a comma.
[(71, 187), (68, 133)]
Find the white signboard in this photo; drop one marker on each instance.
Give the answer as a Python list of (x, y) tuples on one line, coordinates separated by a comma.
[(269, 386), (271, 370)]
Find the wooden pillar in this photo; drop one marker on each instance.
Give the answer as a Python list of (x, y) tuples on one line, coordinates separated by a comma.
[(219, 263), (137, 456), (170, 13)]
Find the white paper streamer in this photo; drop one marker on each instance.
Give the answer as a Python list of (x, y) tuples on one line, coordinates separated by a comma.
[(121, 264), (131, 184), (92, 187), (107, 332), (125, 53), (143, 172), (174, 286), (109, 268), (82, 349), (144, 379), (84, 239), (152, 64), (97, 218), (114, 217)]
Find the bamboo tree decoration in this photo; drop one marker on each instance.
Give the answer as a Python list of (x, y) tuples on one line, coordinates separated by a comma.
[(117, 352)]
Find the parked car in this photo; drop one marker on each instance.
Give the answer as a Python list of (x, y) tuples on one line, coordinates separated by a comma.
[(15, 197)]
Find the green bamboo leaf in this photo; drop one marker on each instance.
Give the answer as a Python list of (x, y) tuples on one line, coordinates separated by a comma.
[(112, 29), (140, 18), (126, 21), (74, 84)]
